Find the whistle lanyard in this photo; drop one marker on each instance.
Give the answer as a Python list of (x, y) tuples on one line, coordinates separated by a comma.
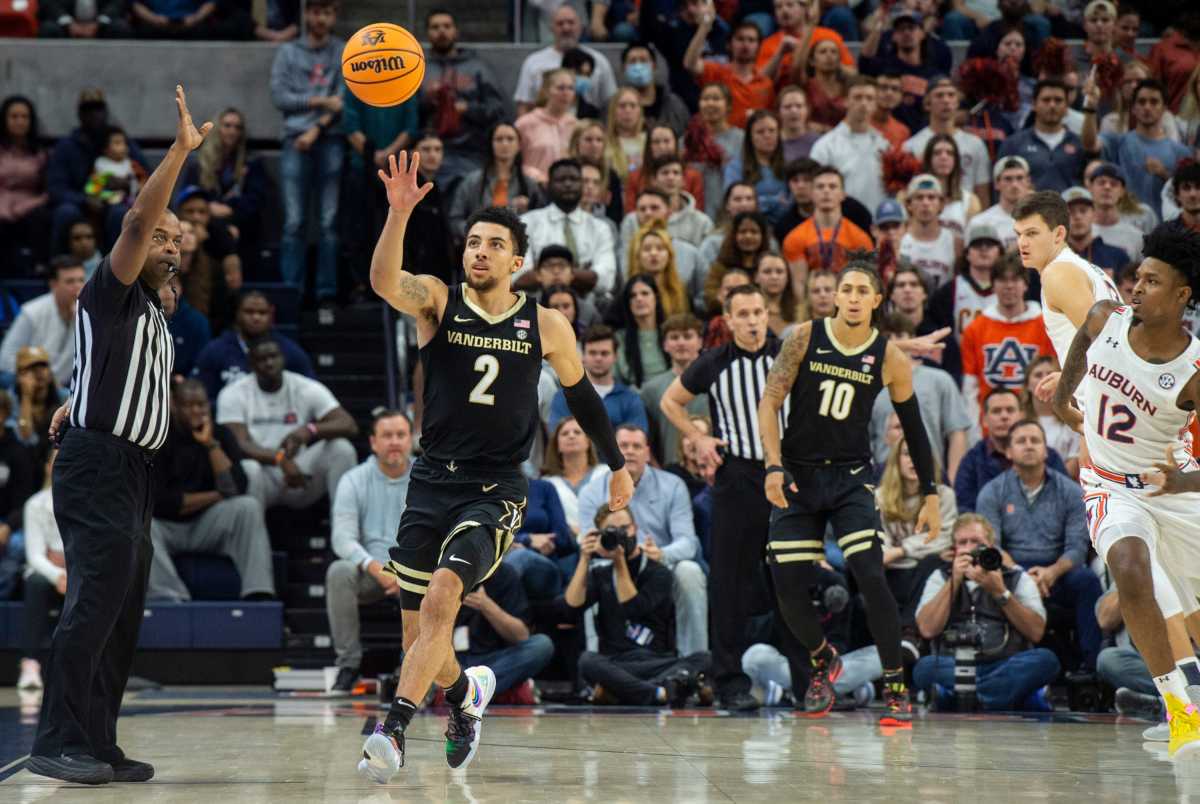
[(826, 249)]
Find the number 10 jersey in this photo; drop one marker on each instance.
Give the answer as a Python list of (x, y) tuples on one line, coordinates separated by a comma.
[(481, 381), (1129, 405), (832, 399)]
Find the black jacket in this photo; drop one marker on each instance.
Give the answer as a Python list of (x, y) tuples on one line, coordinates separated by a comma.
[(16, 479), (182, 467), (647, 620)]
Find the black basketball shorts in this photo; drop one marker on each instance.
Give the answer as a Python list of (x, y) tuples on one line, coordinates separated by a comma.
[(453, 520), (841, 494)]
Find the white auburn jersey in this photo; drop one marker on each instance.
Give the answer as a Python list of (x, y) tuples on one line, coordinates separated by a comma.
[(1058, 326), (1129, 405), (969, 303), (935, 258)]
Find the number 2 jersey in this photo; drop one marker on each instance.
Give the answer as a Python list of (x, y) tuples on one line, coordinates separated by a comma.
[(832, 399), (481, 380), (1129, 405)]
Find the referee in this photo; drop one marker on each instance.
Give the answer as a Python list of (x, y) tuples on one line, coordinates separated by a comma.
[(734, 376), (118, 417)]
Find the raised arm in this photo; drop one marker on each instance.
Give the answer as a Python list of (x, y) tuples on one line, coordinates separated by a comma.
[(692, 61), (1075, 365), (421, 296), (559, 349), (137, 230)]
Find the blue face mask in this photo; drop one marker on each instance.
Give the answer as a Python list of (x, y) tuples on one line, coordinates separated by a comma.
[(639, 74), (582, 84)]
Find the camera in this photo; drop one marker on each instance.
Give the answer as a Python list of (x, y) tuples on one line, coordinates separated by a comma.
[(987, 558), (963, 635), (966, 639), (612, 538)]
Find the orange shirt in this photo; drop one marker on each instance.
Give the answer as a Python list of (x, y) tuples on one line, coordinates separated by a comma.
[(757, 93), (775, 40), (997, 353), (825, 248), (893, 131)]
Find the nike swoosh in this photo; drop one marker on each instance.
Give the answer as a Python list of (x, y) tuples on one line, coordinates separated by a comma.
[(856, 471), (460, 560), (489, 488), (824, 351), (463, 320)]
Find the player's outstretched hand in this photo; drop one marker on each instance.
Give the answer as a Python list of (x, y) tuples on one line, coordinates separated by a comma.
[(187, 136), (930, 345), (620, 489), (774, 486), (929, 519), (1168, 477), (1045, 388), (400, 181)]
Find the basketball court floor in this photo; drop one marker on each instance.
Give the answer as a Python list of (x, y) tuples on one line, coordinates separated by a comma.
[(247, 745)]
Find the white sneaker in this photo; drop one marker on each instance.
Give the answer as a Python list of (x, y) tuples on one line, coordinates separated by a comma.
[(383, 755), (466, 722), (1158, 733), (31, 675)]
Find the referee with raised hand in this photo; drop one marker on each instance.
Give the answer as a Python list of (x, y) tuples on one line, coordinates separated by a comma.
[(734, 377), (118, 418)]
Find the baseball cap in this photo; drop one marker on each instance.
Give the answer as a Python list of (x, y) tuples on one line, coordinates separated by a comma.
[(31, 356), (889, 211), (1073, 194), (939, 80), (1110, 170), (1008, 163), (556, 252), (190, 192), (925, 182), (900, 12), (92, 96), (983, 231), (1099, 5)]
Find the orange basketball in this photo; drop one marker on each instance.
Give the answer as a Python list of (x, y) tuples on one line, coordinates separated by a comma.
[(383, 64)]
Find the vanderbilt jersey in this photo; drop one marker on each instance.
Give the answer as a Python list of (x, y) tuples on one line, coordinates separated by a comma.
[(481, 380), (1130, 405), (1058, 326), (832, 399)]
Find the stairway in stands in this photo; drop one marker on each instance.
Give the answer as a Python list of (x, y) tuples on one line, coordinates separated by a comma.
[(347, 350)]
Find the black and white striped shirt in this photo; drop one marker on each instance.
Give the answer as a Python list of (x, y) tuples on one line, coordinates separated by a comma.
[(735, 381), (123, 358)]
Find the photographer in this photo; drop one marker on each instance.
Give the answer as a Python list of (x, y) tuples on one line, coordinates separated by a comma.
[(993, 608), (636, 663)]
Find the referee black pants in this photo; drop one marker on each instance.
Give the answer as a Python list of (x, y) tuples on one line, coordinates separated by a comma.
[(738, 582), (102, 502)]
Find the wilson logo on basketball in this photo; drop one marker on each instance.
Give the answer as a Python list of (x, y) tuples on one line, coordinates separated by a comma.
[(378, 65)]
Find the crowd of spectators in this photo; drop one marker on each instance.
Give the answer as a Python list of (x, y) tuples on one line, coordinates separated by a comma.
[(764, 153)]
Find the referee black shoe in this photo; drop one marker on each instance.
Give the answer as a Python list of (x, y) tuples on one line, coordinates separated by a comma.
[(130, 770), (76, 768)]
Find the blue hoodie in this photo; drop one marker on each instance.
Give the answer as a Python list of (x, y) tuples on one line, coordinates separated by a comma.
[(224, 360)]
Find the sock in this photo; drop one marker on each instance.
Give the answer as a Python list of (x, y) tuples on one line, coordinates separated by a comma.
[(660, 695), (400, 715), (1172, 683), (1191, 670), (824, 653), (893, 678), (456, 693)]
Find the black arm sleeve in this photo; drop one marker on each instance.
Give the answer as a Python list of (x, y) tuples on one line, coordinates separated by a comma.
[(588, 409), (917, 439)]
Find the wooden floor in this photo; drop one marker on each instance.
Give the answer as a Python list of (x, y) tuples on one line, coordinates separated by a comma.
[(245, 745)]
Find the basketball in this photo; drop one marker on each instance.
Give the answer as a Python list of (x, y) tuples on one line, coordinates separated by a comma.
[(383, 64)]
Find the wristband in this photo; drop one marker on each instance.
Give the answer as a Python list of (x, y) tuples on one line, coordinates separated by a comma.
[(214, 444), (776, 468), (312, 429), (279, 456)]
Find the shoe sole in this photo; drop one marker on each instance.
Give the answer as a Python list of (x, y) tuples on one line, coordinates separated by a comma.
[(1187, 751), (376, 750), (134, 776), (488, 691), (894, 723), (1152, 735), (54, 770)]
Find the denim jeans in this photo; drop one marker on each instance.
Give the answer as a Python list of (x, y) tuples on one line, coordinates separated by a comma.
[(1079, 589), (539, 574), (513, 664), (319, 169), (1125, 667), (765, 663), (691, 608), (1001, 685)]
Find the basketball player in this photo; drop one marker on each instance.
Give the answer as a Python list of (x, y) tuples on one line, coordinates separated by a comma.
[(1141, 387), (830, 372), (482, 347), (1070, 287)]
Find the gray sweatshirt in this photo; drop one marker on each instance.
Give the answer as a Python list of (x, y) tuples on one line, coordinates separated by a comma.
[(366, 512), (300, 72)]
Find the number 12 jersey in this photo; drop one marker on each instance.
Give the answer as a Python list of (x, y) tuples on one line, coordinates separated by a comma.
[(832, 399), (481, 381)]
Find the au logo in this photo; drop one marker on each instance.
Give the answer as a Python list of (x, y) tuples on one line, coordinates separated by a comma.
[(373, 37)]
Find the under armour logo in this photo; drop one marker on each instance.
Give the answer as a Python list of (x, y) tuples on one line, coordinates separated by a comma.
[(373, 37)]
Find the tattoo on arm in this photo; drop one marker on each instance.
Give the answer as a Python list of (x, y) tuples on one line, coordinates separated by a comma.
[(1075, 365), (787, 365)]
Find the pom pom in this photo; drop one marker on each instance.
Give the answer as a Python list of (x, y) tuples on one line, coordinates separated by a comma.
[(699, 144), (899, 167), (987, 80), (1109, 73), (1053, 59)]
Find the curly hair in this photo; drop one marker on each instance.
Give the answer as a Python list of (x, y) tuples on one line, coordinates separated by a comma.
[(503, 216), (1178, 246)]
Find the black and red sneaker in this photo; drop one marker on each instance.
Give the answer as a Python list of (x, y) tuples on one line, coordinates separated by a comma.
[(897, 711), (827, 668)]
